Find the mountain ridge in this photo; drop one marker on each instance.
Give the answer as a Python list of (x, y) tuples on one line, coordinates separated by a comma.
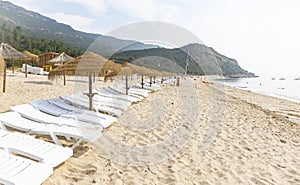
[(41, 27), (202, 60)]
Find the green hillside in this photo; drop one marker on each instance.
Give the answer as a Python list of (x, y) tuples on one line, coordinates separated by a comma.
[(201, 59), (21, 42)]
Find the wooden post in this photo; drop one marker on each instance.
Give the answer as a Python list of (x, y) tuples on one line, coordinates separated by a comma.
[(13, 67), (150, 81), (64, 78), (154, 79), (4, 78), (90, 91), (90, 94), (94, 76), (126, 78), (111, 79), (26, 71), (142, 81)]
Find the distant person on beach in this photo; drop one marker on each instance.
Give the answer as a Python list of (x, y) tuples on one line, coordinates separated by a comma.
[(177, 84)]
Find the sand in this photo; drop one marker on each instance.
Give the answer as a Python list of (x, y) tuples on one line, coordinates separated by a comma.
[(192, 134)]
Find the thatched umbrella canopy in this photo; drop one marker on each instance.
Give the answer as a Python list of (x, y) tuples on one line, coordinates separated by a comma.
[(89, 62), (2, 63), (8, 52), (62, 58), (32, 56), (110, 68), (139, 70)]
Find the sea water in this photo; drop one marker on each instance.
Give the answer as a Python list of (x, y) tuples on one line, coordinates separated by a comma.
[(282, 87)]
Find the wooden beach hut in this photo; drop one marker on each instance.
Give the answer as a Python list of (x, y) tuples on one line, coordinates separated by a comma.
[(45, 57)]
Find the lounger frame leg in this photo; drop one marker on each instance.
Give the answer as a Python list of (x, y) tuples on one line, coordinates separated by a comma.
[(76, 143), (55, 139)]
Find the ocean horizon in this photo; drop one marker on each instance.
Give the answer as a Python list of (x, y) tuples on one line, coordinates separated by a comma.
[(285, 87)]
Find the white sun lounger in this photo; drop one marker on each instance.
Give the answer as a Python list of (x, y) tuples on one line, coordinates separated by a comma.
[(124, 103), (39, 150), (84, 115), (84, 104), (106, 93), (104, 101), (52, 109), (82, 132), (16, 170), (61, 104), (31, 113), (123, 91), (47, 107), (134, 90), (119, 91)]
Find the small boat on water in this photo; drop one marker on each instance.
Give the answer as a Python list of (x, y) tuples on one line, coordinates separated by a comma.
[(281, 78), (298, 78)]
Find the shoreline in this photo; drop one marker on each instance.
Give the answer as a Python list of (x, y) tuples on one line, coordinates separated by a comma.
[(217, 78)]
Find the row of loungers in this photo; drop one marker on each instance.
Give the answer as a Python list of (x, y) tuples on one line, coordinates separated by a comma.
[(55, 117)]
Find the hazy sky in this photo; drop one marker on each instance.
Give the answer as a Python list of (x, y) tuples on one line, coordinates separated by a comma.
[(262, 35)]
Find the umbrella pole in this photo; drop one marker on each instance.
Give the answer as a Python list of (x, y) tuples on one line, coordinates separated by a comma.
[(64, 78), (13, 67), (90, 91), (142, 81), (126, 84), (25, 70), (4, 78)]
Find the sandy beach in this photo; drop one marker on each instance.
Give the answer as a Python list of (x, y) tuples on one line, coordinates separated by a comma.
[(257, 137)]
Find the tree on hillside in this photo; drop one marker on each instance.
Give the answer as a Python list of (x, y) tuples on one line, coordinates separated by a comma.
[(37, 46)]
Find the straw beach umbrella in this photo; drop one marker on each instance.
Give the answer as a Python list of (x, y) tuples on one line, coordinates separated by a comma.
[(86, 65), (143, 71), (2, 65), (32, 58), (83, 64), (8, 52), (61, 59)]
